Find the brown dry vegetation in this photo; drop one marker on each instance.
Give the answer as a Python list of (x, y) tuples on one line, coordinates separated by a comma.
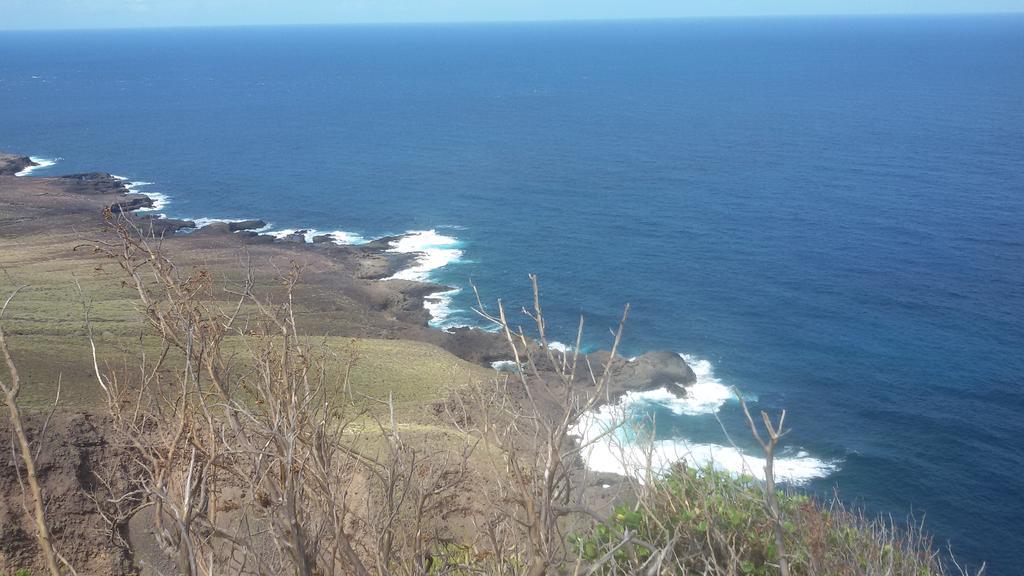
[(48, 229), (257, 407)]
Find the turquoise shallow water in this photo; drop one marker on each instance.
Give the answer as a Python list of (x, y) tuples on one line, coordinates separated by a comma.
[(829, 212)]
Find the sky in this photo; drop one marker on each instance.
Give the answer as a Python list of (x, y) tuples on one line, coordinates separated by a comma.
[(49, 14)]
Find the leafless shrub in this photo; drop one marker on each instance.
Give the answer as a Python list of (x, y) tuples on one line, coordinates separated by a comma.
[(525, 421), (251, 459), (774, 432), (254, 459)]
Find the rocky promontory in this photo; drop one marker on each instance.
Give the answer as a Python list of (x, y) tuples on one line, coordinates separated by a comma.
[(650, 371), (11, 164)]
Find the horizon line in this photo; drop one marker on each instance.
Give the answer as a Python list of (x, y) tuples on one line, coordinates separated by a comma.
[(582, 20)]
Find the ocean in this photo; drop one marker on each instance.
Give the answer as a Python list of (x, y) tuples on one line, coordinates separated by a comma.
[(826, 213)]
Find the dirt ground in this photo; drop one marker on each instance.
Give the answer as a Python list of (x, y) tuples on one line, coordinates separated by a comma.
[(75, 452)]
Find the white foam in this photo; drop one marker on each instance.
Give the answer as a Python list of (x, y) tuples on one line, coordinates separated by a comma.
[(201, 222), (616, 448), (505, 365), (339, 237), (41, 163), (433, 251), (439, 305), (342, 237), (559, 347), (706, 396), (160, 201), (610, 447), (307, 234)]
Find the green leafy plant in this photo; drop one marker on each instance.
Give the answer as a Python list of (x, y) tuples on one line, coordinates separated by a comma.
[(701, 520)]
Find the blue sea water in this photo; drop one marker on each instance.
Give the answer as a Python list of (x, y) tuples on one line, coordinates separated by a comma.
[(829, 212)]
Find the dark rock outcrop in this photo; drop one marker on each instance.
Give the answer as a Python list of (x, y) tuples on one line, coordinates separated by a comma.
[(660, 369), (160, 226), (131, 203), (95, 183), (653, 370), (231, 227), (476, 345), (11, 164), (381, 244), (254, 224), (297, 237)]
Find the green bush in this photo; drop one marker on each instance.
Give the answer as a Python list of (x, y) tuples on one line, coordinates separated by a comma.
[(703, 521)]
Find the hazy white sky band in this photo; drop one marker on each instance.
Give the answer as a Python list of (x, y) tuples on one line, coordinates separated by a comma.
[(45, 14)]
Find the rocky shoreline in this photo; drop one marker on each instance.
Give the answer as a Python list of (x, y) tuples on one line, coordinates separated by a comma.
[(11, 164), (373, 261), (347, 291)]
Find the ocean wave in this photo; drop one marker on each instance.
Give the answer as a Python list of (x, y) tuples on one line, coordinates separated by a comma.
[(705, 396), (339, 237), (559, 347), (505, 365), (160, 200), (435, 251), (41, 163), (346, 238), (611, 446), (307, 234), (439, 306), (200, 222)]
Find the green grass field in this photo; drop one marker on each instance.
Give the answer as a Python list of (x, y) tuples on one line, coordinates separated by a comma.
[(47, 332)]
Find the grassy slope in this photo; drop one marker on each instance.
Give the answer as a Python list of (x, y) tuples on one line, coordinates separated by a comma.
[(46, 327)]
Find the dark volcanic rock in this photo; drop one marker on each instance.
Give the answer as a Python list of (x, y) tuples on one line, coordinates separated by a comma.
[(322, 239), (215, 228), (90, 177), (476, 345), (11, 164), (380, 244), (297, 237), (253, 224), (658, 370), (131, 203), (379, 265), (95, 183), (417, 289), (160, 226), (651, 371), (230, 227), (377, 261)]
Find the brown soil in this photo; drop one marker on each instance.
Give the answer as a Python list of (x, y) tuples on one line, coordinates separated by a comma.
[(75, 452)]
